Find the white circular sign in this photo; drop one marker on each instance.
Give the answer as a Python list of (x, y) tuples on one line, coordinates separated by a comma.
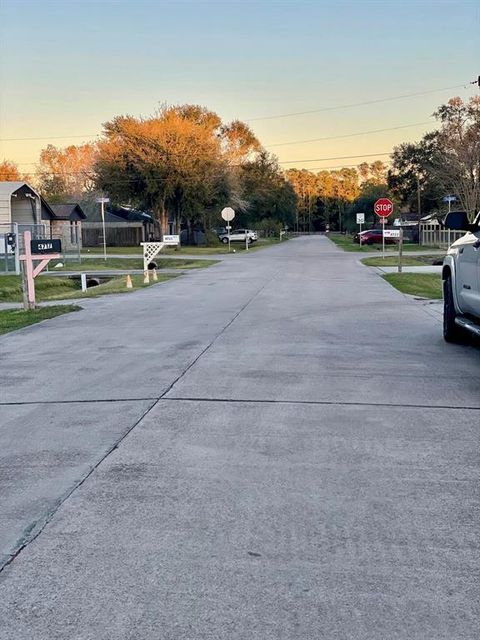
[(228, 214)]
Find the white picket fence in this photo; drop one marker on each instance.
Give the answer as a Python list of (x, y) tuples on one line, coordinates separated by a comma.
[(435, 235)]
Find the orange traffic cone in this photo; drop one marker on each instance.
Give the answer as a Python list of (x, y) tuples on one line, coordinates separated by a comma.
[(146, 279), (129, 282), (155, 277)]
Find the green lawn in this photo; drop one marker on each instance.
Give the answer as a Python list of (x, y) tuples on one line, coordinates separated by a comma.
[(187, 250), (66, 288), (346, 243), (408, 261), (12, 319), (421, 285), (93, 264)]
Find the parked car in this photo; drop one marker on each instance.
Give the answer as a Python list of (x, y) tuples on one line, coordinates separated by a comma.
[(372, 236), (461, 279), (239, 235)]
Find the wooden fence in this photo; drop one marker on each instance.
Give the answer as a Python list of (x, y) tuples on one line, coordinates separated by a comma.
[(435, 235), (117, 234)]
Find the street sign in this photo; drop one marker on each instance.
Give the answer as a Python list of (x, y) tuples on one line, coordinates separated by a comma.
[(228, 214), (360, 218), (102, 200), (383, 207), (391, 233), (449, 199), (171, 240), (45, 247)]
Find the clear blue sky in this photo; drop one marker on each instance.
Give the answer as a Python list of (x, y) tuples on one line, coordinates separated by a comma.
[(66, 67)]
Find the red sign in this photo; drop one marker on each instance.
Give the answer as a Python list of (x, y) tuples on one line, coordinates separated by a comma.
[(383, 207)]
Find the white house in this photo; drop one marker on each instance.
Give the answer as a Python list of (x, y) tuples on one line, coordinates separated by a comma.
[(21, 204)]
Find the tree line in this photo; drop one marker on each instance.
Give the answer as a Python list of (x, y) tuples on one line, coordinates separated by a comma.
[(184, 165)]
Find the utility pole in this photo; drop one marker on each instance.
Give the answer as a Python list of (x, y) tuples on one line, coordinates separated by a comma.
[(419, 208)]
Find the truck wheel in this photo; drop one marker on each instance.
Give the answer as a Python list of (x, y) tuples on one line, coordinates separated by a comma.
[(225, 240), (451, 331)]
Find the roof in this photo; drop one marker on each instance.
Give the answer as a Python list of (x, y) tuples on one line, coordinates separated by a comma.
[(8, 188), (68, 211), (119, 214)]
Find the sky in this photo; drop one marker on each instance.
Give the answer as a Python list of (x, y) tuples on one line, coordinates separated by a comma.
[(66, 67)]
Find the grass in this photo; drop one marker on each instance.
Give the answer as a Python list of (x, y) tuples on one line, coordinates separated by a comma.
[(187, 250), (12, 319), (421, 285), (93, 264), (346, 243), (67, 288), (407, 261)]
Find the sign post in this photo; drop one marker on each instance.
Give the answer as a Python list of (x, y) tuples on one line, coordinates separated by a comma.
[(360, 221), (400, 252), (102, 202), (383, 207), (228, 214), (39, 250)]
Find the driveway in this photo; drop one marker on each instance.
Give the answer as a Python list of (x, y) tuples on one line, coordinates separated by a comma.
[(279, 447)]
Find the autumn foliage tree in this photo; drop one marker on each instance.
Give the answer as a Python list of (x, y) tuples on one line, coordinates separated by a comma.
[(9, 172), (67, 174), (175, 163)]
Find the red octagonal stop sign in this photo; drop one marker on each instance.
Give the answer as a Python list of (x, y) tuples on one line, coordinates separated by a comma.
[(383, 207)]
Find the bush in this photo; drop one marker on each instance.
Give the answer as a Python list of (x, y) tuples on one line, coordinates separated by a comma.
[(269, 227), (211, 239)]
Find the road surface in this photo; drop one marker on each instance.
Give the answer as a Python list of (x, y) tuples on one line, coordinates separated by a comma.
[(277, 447)]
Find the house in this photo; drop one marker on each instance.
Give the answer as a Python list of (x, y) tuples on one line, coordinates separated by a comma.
[(124, 226), (67, 224), (21, 205)]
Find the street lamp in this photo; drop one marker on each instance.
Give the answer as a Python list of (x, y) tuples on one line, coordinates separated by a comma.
[(102, 202)]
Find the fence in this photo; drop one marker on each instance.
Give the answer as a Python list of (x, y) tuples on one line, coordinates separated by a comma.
[(117, 234), (9, 256), (435, 235)]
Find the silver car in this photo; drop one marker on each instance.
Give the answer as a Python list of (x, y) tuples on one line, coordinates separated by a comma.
[(239, 235)]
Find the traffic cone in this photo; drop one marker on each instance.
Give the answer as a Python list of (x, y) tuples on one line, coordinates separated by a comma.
[(146, 279), (155, 277), (129, 282)]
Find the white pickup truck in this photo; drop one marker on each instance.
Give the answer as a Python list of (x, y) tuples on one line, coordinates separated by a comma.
[(461, 279)]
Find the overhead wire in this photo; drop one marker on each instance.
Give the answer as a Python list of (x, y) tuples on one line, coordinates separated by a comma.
[(358, 104)]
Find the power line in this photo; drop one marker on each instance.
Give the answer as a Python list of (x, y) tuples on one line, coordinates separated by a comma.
[(364, 155), (85, 135), (347, 135), (282, 115), (358, 104)]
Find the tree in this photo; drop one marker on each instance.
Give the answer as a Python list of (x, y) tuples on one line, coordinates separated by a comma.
[(456, 160), (375, 173), (265, 193), (9, 172), (66, 174), (445, 161), (411, 169), (171, 162)]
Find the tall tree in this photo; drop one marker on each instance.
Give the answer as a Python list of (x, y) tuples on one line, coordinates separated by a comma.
[(265, 193), (67, 173), (456, 161), (9, 172), (171, 162), (411, 170)]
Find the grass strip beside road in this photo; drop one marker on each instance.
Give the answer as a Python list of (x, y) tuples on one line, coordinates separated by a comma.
[(186, 249), (347, 244), (13, 319), (94, 264), (68, 288), (420, 285), (407, 261)]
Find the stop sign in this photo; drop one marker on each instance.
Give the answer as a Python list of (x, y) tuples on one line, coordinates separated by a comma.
[(383, 207)]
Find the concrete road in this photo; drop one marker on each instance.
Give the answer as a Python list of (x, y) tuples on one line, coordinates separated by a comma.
[(277, 447)]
